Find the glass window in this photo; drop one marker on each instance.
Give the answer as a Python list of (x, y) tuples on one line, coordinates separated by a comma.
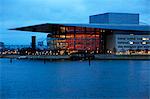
[(144, 38), (143, 42), (131, 42)]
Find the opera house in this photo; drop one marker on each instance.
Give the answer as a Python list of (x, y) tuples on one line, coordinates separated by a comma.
[(108, 33)]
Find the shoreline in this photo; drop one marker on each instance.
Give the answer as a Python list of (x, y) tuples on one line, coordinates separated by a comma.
[(66, 57)]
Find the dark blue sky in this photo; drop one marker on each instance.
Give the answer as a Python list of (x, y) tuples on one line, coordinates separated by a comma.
[(16, 13)]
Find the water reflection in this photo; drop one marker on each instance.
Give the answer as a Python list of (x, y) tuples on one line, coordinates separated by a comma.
[(103, 79)]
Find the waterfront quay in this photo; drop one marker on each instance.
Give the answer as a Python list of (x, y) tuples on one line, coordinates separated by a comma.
[(56, 55), (36, 57), (79, 57)]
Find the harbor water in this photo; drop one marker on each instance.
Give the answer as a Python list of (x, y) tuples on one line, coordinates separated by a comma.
[(104, 79)]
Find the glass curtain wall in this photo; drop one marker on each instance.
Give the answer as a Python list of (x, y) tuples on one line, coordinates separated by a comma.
[(77, 39)]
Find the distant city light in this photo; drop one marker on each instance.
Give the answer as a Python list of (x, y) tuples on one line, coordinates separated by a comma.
[(143, 42), (144, 38), (131, 42), (131, 34)]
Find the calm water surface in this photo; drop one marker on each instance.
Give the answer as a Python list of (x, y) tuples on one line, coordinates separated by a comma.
[(72, 80)]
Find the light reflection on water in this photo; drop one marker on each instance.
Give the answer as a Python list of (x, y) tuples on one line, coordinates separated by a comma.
[(103, 79)]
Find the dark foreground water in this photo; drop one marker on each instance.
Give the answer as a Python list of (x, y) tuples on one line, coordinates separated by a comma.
[(26, 79)]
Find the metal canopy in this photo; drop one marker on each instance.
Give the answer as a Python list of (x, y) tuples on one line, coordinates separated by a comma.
[(51, 27), (43, 28)]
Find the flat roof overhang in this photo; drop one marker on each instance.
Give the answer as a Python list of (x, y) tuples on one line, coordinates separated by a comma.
[(51, 27), (43, 28)]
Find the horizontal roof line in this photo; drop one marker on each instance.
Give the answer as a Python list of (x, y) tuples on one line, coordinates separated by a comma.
[(47, 27)]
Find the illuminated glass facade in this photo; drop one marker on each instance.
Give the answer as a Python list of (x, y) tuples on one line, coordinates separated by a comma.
[(77, 39)]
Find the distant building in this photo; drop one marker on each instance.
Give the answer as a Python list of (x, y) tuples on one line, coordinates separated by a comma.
[(2, 46), (105, 33)]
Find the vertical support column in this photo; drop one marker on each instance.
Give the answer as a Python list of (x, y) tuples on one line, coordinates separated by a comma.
[(100, 41), (65, 40), (84, 42), (95, 39), (74, 38), (52, 42), (59, 33), (104, 38), (65, 32)]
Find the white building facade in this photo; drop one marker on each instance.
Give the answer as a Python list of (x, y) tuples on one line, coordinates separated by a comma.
[(132, 42)]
